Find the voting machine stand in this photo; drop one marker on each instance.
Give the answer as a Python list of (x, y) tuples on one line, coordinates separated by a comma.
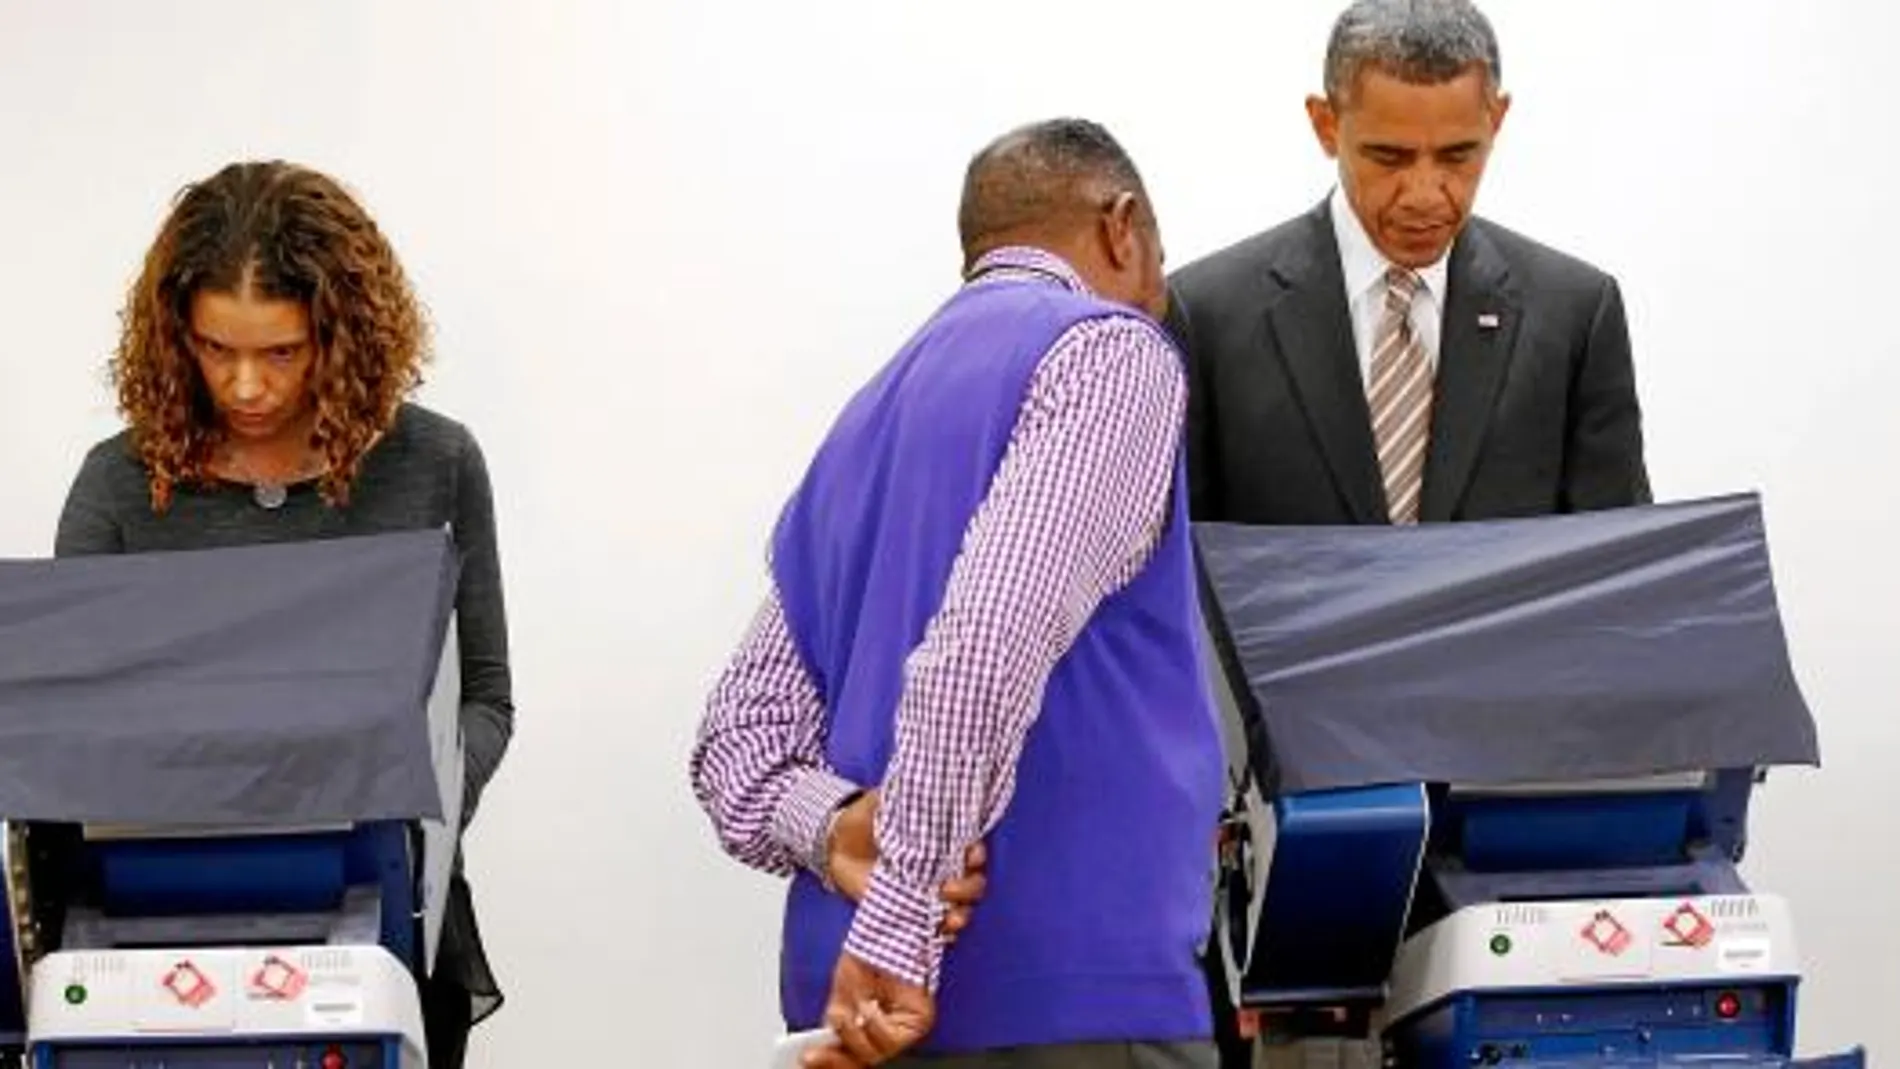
[(231, 787), (1491, 786)]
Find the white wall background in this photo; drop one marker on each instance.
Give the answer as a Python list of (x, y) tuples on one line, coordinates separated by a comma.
[(661, 242)]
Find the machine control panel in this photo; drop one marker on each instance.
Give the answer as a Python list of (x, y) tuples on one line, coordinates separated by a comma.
[(1714, 940), (311, 1007)]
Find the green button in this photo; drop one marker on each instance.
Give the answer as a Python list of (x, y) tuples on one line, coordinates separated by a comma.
[(1500, 944), (75, 993)]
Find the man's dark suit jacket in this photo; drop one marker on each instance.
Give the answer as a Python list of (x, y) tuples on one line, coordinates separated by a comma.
[(1535, 410)]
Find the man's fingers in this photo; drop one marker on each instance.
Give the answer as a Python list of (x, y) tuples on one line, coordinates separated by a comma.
[(850, 1028), (954, 922), (884, 1034), (833, 1055), (961, 895), (965, 891), (845, 1024), (975, 857)]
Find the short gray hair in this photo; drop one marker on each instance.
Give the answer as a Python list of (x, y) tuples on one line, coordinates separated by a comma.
[(1420, 41), (1041, 175)]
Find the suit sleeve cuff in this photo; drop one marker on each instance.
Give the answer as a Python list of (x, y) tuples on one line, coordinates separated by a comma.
[(802, 821), (896, 930)]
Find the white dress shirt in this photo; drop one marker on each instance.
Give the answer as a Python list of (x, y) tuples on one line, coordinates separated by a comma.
[(1365, 267)]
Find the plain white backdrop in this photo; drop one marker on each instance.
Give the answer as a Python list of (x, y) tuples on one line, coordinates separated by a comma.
[(661, 241)]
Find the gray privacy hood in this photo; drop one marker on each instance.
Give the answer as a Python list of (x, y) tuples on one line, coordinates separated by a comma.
[(1601, 645), (262, 685)]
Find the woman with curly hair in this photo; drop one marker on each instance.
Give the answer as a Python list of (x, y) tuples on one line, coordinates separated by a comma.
[(267, 353)]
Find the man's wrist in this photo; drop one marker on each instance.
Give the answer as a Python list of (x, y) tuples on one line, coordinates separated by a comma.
[(821, 855), (803, 821)]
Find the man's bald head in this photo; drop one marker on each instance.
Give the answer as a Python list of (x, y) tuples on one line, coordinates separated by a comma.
[(1042, 181)]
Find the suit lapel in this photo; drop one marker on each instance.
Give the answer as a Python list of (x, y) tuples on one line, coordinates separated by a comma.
[(1310, 320), (1482, 314)]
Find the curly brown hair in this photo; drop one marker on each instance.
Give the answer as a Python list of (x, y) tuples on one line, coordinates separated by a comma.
[(281, 232)]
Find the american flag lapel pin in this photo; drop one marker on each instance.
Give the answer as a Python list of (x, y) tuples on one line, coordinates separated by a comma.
[(1487, 321)]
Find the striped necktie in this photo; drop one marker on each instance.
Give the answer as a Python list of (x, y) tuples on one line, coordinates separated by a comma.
[(1400, 395)]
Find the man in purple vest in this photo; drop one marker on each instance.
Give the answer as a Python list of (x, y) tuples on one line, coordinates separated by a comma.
[(983, 629)]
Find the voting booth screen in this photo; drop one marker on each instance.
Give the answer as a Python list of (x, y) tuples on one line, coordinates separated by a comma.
[(253, 686), (1603, 645)]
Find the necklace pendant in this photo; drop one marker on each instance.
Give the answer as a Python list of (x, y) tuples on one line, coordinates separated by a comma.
[(269, 495)]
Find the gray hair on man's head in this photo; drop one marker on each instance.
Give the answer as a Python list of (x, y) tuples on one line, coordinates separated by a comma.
[(1041, 175), (1424, 42)]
